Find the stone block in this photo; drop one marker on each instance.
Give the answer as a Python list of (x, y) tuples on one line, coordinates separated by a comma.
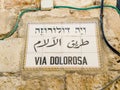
[(76, 81), (10, 54), (7, 21), (77, 3), (43, 83), (10, 83)]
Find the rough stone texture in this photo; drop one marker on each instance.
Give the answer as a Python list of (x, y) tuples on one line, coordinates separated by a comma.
[(10, 55), (8, 4), (111, 2), (43, 83), (28, 3), (77, 81), (31, 74), (7, 21), (12, 50), (112, 34), (10, 83)]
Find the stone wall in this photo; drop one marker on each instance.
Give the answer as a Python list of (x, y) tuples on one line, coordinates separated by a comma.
[(12, 49)]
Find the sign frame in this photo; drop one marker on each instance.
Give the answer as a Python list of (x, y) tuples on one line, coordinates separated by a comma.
[(79, 69)]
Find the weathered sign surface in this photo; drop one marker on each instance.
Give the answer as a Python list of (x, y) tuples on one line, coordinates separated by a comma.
[(63, 45)]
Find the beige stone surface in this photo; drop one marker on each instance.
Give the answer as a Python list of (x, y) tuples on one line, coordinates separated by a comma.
[(44, 83), (10, 55), (112, 33), (31, 74), (76, 81), (12, 49), (8, 4), (28, 3), (10, 83), (7, 21)]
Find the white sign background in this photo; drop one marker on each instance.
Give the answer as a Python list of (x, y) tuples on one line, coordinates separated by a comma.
[(62, 45)]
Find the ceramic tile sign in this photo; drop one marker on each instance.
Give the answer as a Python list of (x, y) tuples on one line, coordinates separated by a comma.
[(62, 46)]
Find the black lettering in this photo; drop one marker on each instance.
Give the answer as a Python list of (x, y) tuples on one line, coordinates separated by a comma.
[(56, 60), (75, 60), (44, 61), (70, 60), (84, 61), (65, 60), (37, 60), (51, 60), (79, 60)]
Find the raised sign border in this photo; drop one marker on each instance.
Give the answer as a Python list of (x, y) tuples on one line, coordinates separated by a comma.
[(102, 61)]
